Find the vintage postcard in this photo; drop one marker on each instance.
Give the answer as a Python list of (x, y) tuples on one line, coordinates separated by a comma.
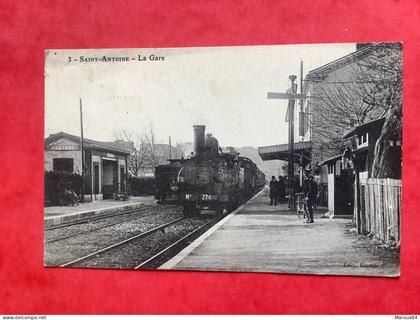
[(282, 158)]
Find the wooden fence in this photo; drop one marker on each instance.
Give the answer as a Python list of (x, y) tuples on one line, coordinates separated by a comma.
[(380, 209)]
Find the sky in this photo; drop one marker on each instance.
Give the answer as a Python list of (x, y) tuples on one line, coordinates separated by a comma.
[(224, 88)]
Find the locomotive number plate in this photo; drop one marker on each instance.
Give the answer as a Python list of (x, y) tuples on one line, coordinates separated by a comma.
[(206, 197), (200, 197)]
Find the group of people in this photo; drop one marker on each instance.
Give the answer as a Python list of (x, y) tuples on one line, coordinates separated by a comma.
[(278, 192)]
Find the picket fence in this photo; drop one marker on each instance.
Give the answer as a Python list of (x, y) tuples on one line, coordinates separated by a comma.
[(380, 209)]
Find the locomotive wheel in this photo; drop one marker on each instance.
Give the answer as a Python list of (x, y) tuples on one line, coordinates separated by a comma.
[(187, 209), (197, 211), (190, 210), (221, 209), (230, 207)]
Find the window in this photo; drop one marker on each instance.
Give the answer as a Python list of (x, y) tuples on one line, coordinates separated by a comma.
[(365, 136), (63, 165), (362, 139)]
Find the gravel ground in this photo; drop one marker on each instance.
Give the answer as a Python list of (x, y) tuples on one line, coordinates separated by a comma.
[(129, 255), (73, 229), (60, 252)]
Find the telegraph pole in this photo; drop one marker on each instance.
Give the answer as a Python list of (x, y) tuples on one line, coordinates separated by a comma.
[(170, 148), (291, 109), (83, 153), (301, 122), (291, 95)]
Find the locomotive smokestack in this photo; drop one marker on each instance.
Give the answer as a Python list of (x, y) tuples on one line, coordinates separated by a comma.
[(199, 132)]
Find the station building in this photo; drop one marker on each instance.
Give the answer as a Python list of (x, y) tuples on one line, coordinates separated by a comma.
[(348, 173), (104, 163), (318, 137)]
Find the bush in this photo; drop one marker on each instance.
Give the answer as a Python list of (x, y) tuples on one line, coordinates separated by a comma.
[(57, 183), (141, 186)]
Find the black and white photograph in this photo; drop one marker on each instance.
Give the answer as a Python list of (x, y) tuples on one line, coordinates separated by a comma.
[(273, 158)]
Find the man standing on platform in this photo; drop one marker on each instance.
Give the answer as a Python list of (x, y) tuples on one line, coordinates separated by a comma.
[(291, 194), (310, 190), (281, 189), (273, 191)]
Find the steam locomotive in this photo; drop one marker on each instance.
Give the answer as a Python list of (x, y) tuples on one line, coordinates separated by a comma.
[(210, 179)]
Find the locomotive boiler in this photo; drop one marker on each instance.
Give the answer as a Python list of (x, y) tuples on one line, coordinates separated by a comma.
[(212, 179)]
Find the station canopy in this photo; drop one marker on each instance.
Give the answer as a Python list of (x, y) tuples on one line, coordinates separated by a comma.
[(302, 152)]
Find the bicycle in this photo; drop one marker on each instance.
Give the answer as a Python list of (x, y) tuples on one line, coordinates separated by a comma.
[(301, 205)]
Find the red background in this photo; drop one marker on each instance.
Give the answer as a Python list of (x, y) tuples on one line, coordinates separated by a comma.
[(29, 27)]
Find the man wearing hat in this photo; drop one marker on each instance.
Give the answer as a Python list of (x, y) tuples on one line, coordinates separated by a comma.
[(310, 190), (281, 189), (273, 191)]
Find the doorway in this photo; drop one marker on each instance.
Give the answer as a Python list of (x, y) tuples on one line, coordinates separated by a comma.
[(344, 193), (122, 178), (109, 178), (95, 178)]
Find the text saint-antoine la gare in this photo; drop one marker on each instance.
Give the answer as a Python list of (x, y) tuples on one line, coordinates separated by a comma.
[(139, 57)]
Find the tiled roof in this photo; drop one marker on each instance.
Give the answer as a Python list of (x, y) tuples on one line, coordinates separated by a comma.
[(337, 64), (116, 146), (332, 159), (280, 151), (347, 59), (360, 129)]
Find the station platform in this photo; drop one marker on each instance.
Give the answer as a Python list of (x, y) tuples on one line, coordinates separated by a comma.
[(261, 238), (57, 215)]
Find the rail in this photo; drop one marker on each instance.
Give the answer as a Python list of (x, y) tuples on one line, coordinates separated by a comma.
[(87, 220), (162, 252), (96, 253), (99, 228)]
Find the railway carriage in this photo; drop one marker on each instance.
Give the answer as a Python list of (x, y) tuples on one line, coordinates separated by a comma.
[(165, 176)]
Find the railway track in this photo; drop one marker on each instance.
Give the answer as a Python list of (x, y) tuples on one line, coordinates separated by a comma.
[(92, 219), (160, 257), (92, 229), (101, 251), (146, 249)]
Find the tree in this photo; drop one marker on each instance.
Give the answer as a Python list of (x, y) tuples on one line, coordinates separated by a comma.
[(146, 154), (388, 89), (365, 89), (155, 157), (387, 158), (139, 156)]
